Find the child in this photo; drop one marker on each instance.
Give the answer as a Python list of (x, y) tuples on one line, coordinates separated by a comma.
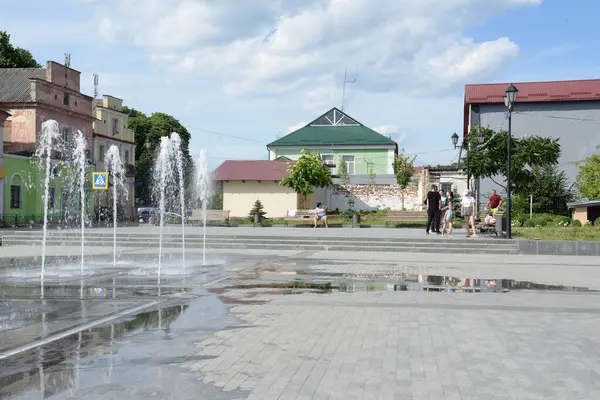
[(448, 218)]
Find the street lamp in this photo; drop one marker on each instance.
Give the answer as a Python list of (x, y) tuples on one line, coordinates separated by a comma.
[(455, 138), (510, 97)]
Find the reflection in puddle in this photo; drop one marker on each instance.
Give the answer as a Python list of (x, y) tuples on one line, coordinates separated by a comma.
[(323, 282)]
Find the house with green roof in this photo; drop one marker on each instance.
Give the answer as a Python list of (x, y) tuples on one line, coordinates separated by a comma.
[(337, 136)]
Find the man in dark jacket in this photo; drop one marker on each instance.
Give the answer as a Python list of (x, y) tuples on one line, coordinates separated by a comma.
[(433, 201)]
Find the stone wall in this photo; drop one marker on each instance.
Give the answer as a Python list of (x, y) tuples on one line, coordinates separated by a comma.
[(375, 197)]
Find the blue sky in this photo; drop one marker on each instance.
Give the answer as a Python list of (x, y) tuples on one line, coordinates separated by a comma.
[(204, 61)]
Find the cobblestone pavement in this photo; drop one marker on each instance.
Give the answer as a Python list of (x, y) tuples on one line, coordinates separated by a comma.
[(403, 345)]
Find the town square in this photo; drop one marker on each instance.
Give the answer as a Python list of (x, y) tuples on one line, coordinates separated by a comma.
[(299, 200)]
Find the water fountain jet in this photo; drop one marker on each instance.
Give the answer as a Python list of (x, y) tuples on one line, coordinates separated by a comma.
[(178, 155), (113, 161), (79, 158), (202, 189)]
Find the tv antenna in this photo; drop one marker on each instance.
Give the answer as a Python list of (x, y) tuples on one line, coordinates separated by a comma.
[(346, 80), (68, 60), (95, 85)]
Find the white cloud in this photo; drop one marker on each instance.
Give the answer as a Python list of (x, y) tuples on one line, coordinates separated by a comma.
[(394, 44), (386, 129), (295, 127)]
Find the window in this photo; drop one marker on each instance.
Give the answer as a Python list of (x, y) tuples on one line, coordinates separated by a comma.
[(446, 187), (349, 160), (101, 153), (15, 196), (65, 135), (51, 197), (66, 99), (126, 157), (115, 126), (330, 162)]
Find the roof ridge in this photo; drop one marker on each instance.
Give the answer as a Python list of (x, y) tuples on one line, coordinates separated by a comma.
[(533, 82)]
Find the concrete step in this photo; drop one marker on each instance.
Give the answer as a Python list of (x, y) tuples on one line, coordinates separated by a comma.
[(447, 242), (92, 238)]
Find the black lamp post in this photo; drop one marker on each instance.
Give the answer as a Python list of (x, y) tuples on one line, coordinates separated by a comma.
[(455, 138), (510, 96)]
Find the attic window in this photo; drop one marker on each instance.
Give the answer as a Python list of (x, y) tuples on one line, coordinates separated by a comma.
[(334, 118), (66, 99)]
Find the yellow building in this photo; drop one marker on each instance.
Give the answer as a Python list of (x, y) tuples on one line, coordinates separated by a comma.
[(245, 181), (111, 128)]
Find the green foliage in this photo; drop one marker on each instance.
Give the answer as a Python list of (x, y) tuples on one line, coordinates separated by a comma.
[(257, 208), (372, 176), (597, 222), (342, 170), (550, 189), (404, 169), (588, 179), (308, 172), (576, 223), (150, 130), (490, 159), (14, 57), (528, 223), (349, 211)]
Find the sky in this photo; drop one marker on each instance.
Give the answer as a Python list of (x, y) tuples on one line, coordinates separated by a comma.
[(239, 74)]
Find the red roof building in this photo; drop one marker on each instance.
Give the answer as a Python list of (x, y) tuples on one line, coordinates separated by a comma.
[(530, 92)]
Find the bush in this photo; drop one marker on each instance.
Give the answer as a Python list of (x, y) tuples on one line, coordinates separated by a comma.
[(528, 223), (562, 221), (597, 222), (576, 223)]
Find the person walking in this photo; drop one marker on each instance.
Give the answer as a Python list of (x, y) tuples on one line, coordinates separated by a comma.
[(494, 203), (443, 208), (433, 201), (468, 211)]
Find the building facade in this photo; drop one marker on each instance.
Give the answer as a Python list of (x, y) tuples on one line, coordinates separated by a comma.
[(35, 95), (339, 137), (567, 110), (111, 129), (32, 96), (3, 116)]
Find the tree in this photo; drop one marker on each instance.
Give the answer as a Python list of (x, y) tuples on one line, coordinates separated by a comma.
[(404, 169), (489, 160), (342, 170), (257, 208), (588, 179), (550, 189), (14, 57), (150, 130), (308, 172)]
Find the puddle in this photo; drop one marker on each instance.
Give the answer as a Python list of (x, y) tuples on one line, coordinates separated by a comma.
[(292, 282), (141, 356)]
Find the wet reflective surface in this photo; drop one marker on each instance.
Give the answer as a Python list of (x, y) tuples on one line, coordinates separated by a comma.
[(125, 332)]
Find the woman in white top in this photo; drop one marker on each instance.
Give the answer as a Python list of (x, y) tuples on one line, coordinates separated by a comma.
[(467, 207)]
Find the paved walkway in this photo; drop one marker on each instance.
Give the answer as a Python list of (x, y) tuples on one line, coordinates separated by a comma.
[(410, 346)]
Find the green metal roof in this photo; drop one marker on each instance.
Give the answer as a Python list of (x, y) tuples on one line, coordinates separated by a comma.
[(333, 128)]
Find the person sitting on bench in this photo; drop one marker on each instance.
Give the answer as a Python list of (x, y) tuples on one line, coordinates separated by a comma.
[(320, 214)]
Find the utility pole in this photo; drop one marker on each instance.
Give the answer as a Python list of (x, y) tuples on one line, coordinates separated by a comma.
[(344, 87)]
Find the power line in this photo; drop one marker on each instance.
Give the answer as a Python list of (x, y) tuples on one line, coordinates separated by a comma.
[(556, 117), (224, 134)]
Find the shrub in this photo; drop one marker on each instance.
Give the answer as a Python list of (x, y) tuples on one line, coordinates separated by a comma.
[(576, 223), (257, 208), (528, 223), (562, 221), (597, 222)]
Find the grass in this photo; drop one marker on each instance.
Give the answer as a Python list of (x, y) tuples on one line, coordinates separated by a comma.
[(584, 233), (372, 220)]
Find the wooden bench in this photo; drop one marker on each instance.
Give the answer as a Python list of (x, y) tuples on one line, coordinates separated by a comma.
[(211, 215), (406, 216), (299, 215)]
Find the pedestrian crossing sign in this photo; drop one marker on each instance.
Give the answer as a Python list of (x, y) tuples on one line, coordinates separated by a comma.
[(100, 180)]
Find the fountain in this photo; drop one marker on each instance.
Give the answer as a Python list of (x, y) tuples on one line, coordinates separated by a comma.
[(202, 186), (162, 173), (115, 166), (178, 155), (79, 159), (48, 138)]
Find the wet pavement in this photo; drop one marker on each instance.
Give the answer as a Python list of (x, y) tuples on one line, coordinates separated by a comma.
[(291, 327)]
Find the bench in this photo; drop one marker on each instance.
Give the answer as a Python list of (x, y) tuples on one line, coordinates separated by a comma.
[(211, 215), (406, 216), (299, 215)]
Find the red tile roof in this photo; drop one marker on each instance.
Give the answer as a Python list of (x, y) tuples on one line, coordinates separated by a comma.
[(530, 92), (251, 170)]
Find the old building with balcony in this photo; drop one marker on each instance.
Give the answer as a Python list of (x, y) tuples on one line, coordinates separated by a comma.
[(111, 128)]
